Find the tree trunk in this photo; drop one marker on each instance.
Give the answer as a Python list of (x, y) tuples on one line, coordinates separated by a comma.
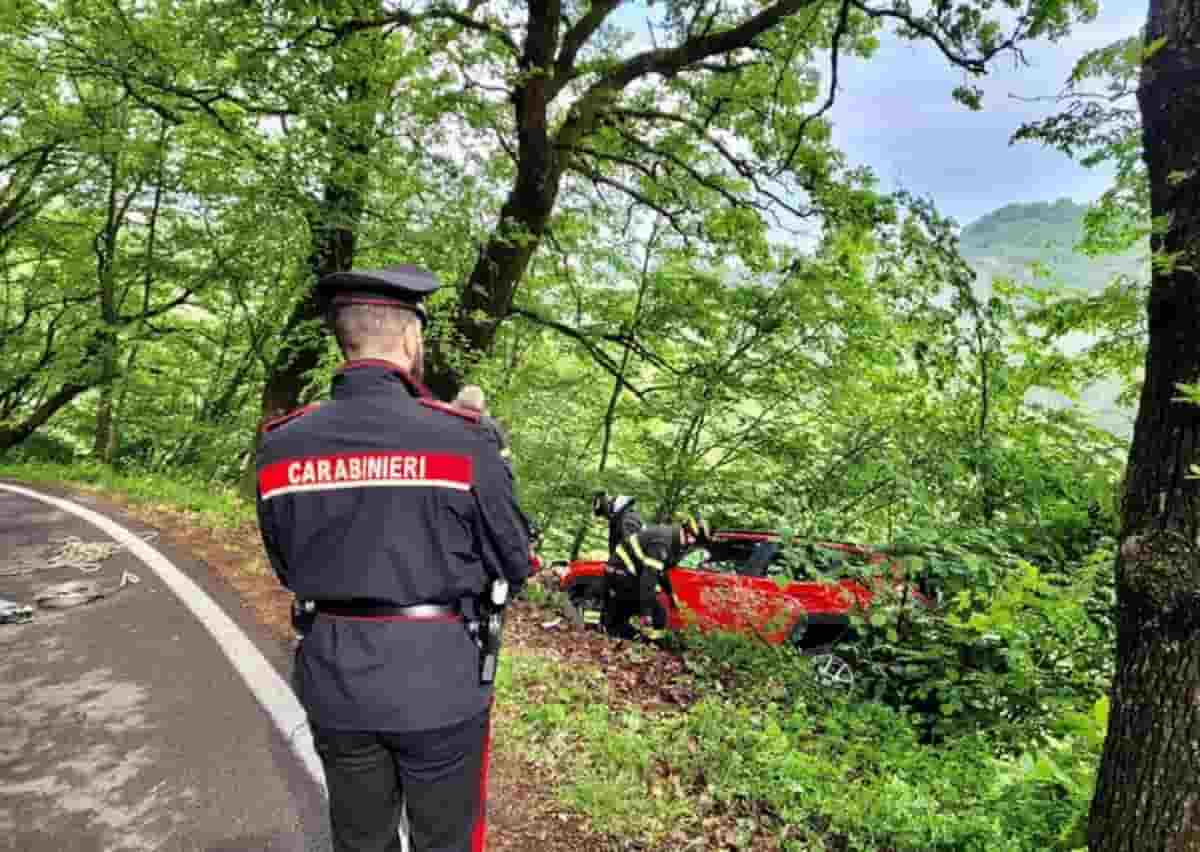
[(11, 436), (105, 443), (1148, 789), (333, 235), (109, 341), (486, 297)]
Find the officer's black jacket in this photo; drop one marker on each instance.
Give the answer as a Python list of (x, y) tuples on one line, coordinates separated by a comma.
[(375, 496)]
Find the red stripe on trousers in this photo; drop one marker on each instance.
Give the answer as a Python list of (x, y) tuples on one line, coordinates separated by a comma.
[(479, 835)]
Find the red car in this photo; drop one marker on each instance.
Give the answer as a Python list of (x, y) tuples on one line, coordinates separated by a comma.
[(745, 584)]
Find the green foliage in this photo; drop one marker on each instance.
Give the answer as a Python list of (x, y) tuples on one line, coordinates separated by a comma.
[(720, 314), (828, 771), (1012, 647)]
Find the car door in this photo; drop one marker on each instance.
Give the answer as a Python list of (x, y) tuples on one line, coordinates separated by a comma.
[(702, 597), (765, 608)]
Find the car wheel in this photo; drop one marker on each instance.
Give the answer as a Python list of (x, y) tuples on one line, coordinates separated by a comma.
[(832, 670), (585, 604)]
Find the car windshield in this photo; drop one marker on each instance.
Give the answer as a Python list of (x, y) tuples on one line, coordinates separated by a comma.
[(756, 555), (808, 561)]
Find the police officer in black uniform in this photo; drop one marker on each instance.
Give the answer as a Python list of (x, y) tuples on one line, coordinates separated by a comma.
[(388, 514), (639, 566)]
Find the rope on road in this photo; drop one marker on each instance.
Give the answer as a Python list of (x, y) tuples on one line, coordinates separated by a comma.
[(70, 552)]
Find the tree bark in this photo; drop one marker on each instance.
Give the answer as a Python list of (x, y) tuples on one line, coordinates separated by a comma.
[(1148, 789), (104, 446), (486, 298), (333, 235), (106, 259)]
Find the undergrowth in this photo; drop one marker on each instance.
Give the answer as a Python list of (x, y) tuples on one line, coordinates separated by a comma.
[(825, 771), (216, 503)]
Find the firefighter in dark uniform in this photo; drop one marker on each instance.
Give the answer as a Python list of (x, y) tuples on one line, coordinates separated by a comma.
[(623, 519), (390, 517), (639, 566)]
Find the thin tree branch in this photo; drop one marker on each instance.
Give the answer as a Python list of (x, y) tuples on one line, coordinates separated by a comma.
[(575, 334)]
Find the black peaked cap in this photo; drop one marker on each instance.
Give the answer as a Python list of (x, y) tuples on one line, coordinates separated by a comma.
[(404, 283)]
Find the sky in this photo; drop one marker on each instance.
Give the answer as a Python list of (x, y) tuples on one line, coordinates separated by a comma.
[(894, 113)]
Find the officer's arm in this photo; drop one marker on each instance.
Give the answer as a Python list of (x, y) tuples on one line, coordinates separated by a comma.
[(266, 526), (504, 531)]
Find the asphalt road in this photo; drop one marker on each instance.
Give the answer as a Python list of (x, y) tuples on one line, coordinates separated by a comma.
[(123, 725)]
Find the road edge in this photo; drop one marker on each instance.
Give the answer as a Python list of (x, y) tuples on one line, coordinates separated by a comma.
[(268, 687)]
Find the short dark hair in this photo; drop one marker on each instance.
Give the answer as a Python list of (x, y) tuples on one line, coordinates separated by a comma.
[(361, 328)]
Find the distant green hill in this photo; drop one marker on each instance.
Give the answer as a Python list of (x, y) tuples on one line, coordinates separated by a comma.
[(1009, 242)]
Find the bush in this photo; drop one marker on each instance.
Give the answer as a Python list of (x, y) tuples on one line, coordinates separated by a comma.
[(41, 447), (812, 770), (1012, 652)]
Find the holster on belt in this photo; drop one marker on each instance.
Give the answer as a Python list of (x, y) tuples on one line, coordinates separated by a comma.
[(488, 628), (304, 612)]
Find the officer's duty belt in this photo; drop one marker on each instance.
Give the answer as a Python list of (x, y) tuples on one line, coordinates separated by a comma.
[(383, 609)]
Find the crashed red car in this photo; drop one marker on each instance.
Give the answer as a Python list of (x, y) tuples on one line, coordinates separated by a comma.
[(745, 584)]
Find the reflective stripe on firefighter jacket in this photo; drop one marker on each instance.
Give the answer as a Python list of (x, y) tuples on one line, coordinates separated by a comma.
[(623, 523), (647, 554)]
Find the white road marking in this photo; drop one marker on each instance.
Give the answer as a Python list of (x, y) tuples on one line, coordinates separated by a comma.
[(272, 691)]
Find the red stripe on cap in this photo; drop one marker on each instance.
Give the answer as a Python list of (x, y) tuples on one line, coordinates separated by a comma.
[(395, 469), (375, 300)]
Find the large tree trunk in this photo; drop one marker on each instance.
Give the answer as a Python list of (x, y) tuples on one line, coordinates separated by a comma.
[(1148, 790), (487, 295), (104, 446), (333, 235), (109, 341)]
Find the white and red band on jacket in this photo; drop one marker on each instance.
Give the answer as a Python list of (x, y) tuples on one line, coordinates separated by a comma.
[(365, 470)]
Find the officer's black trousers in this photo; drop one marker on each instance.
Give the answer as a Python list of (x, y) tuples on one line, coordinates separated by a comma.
[(441, 776)]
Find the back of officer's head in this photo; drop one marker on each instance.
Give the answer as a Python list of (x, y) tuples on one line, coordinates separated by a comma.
[(378, 330), (377, 313)]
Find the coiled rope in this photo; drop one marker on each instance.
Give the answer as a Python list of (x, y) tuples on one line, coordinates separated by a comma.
[(71, 552)]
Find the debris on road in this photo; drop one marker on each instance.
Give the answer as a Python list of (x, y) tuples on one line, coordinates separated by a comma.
[(12, 612), (69, 552), (76, 592)]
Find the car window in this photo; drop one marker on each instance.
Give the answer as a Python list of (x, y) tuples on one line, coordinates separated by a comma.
[(694, 558), (722, 566)]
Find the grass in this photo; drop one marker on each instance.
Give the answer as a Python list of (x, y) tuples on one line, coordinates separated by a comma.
[(216, 504), (816, 771)]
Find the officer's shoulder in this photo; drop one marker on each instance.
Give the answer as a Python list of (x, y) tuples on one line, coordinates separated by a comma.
[(446, 408), (290, 417)]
